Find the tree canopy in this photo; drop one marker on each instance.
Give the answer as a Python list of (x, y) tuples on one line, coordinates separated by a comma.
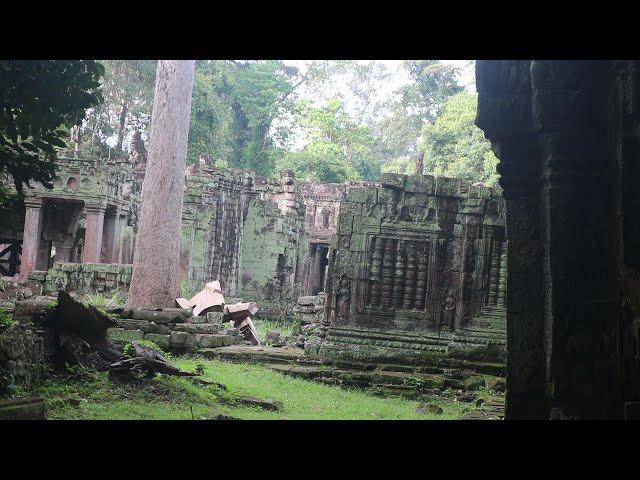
[(326, 121), (40, 101)]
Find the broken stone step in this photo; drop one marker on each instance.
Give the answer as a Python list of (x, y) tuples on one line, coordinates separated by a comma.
[(185, 312), (157, 317)]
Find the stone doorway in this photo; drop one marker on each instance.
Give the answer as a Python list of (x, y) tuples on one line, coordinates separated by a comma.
[(319, 254)]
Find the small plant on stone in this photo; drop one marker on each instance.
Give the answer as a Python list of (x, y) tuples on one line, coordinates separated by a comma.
[(99, 299), (6, 320), (184, 290)]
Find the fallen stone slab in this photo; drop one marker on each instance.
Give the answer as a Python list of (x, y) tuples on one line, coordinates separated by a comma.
[(219, 416), (431, 408), (122, 335), (209, 299), (197, 319), (161, 340), (157, 317), (273, 405), (240, 310), (210, 328), (306, 300), (184, 303), (209, 341), (32, 306), (185, 312)]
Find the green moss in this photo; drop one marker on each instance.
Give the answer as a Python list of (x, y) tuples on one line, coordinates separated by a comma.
[(6, 319)]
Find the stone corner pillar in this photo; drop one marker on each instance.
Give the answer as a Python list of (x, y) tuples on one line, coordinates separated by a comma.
[(31, 235)]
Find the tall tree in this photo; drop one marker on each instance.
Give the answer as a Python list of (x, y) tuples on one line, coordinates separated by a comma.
[(155, 278), (128, 97), (338, 147), (455, 147), (415, 105)]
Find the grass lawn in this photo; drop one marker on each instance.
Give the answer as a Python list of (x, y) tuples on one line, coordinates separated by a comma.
[(78, 395)]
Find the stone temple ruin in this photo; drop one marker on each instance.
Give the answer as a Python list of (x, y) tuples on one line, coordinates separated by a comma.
[(409, 270)]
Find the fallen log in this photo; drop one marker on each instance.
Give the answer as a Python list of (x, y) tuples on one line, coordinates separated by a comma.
[(87, 322), (146, 363)]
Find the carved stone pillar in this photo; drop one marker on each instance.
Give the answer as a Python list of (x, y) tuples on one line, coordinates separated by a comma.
[(63, 251), (581, 238), (94, 224), (31, 235), (504, 113), (547, 121)]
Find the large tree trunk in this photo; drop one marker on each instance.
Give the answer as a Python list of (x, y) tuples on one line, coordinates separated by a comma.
[(155, 279)]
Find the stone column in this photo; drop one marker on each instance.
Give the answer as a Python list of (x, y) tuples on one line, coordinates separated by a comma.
[(504, 113), (113, 225), (94, 224), (582, 245), (31, 235), (121, 223), (63, 251)]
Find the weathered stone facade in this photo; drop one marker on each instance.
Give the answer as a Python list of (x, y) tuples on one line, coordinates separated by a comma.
[(88, 217), (417, 263), (246, 232)]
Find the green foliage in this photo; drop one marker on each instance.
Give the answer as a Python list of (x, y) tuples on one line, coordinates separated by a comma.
[(414, 105), (263, 327), (210, 127), (185, 292), (6, 319), (99, 299), (235, 107), (402, 165), (40, 101), (338, 149), (128, 90), (455, 147)]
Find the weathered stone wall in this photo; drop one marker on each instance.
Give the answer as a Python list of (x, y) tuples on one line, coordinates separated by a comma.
[(405, 249), (246, 232), (100, 277), (419, 260), (21, 357)]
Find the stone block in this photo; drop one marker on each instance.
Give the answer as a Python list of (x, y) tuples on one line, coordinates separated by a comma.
[(362, 194), (182, 340), (197, 319), (358, 241), (448, 187), (215, 317), (209, 341), (122, 335), (161, 340), (393, 180)]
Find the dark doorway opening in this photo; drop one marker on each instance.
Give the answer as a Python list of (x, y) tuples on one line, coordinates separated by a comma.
[(319, 262)]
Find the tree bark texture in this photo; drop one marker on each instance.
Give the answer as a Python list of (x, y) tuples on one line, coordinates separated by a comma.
[(155, 278)]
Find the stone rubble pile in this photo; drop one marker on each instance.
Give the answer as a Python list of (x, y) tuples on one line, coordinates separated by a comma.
[(196, 323)]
